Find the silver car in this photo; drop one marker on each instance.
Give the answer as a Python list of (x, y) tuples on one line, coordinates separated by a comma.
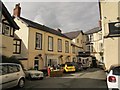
[(34, 74), (11, 75)]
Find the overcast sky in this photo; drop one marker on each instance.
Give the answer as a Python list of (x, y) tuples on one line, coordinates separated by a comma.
[(68, 16)]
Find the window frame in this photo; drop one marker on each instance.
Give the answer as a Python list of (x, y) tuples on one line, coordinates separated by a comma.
[(40, 42), (73, 49), (50, 48), (59, 45), (16, 45), (66, 46), (77, 40), (11, 30)]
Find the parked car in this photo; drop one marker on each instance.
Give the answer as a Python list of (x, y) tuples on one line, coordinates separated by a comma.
[(78, 66), (113, 77), (11, 75), (69, 67), (34, 74)]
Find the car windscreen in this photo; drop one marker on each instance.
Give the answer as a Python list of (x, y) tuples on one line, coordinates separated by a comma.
[(116, 71)]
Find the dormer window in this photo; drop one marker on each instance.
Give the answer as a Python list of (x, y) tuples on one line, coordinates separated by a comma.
[(7, 30)]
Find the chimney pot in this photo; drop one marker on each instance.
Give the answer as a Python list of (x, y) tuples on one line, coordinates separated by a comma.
[(17, 10)]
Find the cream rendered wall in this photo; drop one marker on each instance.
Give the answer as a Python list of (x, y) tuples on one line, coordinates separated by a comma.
[(23, 34), (111, 51), (55, 42), (80, 44), (110, 12), (119, 9), (107, 9), (96, 45), (84, 42), (32, 52), (6, 44)]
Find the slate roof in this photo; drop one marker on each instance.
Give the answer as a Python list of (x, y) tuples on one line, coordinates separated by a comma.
[(8, 16), (94, 30), (73, 34), (43, 27)]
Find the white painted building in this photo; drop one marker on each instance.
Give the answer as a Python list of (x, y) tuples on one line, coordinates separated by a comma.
[(110, 21), (95, 43)]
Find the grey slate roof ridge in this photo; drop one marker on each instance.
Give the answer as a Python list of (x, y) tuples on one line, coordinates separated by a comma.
[(93, 30), (43, 28), (73, 34)]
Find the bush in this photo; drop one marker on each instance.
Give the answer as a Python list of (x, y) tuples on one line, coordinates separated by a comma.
[(12, 59), (56, 73)]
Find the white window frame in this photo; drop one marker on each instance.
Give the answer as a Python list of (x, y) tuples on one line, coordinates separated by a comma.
[(59, 45), (50, 43), (38, 43), (66, 46)]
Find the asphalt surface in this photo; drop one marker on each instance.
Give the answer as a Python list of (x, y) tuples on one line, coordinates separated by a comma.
[(88, 79)]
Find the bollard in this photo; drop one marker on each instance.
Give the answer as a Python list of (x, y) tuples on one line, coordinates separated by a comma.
[(48, 70)]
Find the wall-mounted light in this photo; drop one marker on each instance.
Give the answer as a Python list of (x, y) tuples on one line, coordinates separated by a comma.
[(118, 18), (105, 17), (39, 55)]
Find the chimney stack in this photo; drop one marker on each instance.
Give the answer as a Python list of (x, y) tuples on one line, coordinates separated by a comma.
[(17, 10), (59, 30)]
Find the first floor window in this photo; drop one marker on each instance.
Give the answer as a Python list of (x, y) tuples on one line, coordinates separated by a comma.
[(6, 29), (73, 49), (38, 41), (50, 43), (59, 45), (17, 46), (66, 47)]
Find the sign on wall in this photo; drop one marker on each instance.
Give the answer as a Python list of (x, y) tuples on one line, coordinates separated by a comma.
[(83, 54), (114, 28)]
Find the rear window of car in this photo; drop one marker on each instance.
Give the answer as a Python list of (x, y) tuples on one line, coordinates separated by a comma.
[(69, 64), (62, 65), (116, 71)]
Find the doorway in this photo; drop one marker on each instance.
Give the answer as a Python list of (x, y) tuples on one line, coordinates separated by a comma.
[(36, 63)]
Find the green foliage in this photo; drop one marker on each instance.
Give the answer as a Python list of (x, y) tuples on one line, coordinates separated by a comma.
[(12, 59)]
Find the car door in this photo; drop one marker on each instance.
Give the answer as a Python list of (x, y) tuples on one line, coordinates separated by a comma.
[(4, 76), (14, 74), (116, 72)]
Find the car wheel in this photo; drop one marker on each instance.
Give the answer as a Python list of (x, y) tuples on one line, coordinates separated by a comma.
[(21, 83), (29, 77), (41, 78)]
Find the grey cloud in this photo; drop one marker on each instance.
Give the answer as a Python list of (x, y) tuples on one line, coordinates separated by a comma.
[(65, 15)]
